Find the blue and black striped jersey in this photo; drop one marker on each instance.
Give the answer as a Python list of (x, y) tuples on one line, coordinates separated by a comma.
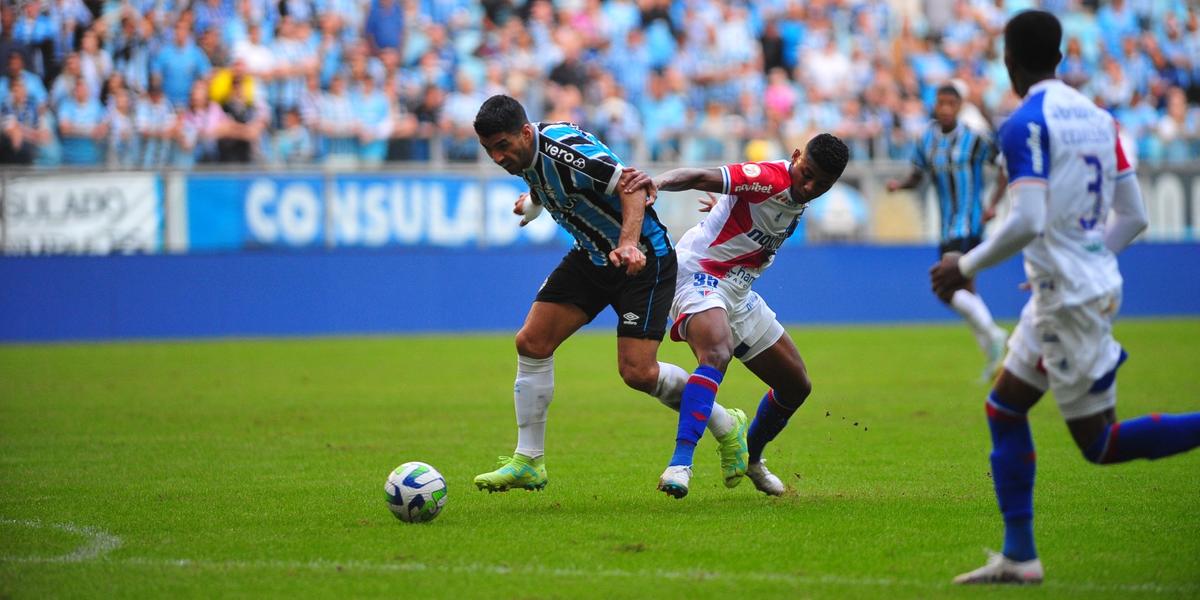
[(955, 161), (574, 176)]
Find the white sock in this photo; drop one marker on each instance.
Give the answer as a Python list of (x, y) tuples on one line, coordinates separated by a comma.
[(972, 309), (532, 393), (669, 391)]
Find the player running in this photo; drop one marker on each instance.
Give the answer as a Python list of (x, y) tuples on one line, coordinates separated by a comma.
[(954, 156), (1068, 172), (622, 258), (718, 314)]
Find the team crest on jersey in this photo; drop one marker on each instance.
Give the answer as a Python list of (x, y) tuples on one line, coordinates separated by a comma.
[(752, 170)]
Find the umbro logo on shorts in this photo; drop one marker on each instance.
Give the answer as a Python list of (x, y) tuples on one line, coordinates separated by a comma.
[(630, 318)]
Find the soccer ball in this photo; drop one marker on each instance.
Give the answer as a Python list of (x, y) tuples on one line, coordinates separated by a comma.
[(416, 492)]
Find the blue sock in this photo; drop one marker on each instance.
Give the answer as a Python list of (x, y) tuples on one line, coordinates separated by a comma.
[(698, 397), (770, 419), (1013, 465), (1152, 436)]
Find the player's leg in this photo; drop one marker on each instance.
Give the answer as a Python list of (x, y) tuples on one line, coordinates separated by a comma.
[(711, 340), (970, 306), (568, 299), (781, 367), (1020, 385), (546, 326)]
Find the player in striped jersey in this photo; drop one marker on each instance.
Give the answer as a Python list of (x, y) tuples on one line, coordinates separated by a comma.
[(622, 258), (954, 156), (718, 314)]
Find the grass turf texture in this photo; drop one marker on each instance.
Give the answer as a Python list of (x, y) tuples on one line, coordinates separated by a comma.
[(256, 468)]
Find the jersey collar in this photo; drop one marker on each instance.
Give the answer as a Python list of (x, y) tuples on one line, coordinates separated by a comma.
[(1042, 85), (536, 139)]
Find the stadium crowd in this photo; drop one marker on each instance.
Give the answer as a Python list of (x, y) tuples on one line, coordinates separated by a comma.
[(173, 83)]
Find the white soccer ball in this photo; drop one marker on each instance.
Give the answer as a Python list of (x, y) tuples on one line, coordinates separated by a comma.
[(416, 492)]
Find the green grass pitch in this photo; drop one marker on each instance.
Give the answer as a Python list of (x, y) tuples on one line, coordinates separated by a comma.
[(256, 469)]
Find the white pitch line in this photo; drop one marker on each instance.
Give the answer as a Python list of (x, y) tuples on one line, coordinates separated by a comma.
[(574, 573), (100, 543)]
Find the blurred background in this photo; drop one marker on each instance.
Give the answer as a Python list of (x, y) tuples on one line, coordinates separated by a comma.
[(245, 127)]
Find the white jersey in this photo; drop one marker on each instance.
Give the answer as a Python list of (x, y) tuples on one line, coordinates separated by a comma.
[(737, 241), (1060, 139)]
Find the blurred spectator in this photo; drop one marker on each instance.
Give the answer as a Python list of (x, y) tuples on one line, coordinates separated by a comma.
[(94, 63), (458, 118), (36, 34), (294, 143), (121, 149), (375, 122), (239, 139), (33, 83), (338, 124), (21, 132), (179, 64), (385, 25), (82, 127), (64, 84), (1179, 128), (664, 118), (200, 123), (1074, 69), (156, 126)]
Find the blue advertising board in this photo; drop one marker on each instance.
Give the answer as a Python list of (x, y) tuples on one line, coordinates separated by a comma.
[(227, 213)]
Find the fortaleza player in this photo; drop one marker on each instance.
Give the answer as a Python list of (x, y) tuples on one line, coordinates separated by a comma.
[(718, 314), (622, 258), (1068, 172)]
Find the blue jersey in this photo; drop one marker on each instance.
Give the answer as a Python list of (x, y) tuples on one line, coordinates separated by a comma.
[(955, 161), (574, 176)]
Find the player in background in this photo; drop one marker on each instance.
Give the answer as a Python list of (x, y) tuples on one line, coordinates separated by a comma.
[(1068, 172), (622, 258), (718, 314), (953, 156)]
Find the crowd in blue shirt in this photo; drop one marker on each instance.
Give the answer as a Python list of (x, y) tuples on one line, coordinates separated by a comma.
[(173, 83)]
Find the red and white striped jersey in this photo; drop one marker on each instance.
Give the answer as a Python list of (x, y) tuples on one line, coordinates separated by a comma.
[(746, 226)]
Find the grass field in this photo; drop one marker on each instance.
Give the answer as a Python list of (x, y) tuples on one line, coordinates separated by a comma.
[(256, 468)]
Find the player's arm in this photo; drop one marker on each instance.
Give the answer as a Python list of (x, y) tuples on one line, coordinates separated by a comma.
[(1129, 210), (913, 180), (705, 180), (989, 211), (627, 254)]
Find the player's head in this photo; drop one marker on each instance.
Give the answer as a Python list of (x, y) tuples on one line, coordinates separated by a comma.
[(1031, 48), (505, 133), (818, 167), (946, 105)]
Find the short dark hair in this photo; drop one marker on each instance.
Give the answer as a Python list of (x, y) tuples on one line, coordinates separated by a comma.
[(829, 152), (500, 114), (949, 88), (1032, 39)]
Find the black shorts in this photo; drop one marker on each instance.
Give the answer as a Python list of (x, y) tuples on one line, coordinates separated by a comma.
[(963, 245), (642, 302)]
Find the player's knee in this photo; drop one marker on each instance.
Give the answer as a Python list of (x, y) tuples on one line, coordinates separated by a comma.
[(717, 357), (795, 393), (531, 346), (641, 377)]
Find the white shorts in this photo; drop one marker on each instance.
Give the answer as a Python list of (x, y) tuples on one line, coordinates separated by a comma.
[(1066, 350), (753, 322)]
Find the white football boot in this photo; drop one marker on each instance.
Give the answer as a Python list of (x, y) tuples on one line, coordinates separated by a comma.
[(765, 481), (1001, 569), (674, 481)]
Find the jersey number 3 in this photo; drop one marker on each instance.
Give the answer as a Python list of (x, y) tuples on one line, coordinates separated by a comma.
[(1088, 222)]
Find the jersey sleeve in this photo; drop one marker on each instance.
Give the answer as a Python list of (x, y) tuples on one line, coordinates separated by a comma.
[(1124, 167), (755, 181), (918, 152), (1025, 144), (586, 156)]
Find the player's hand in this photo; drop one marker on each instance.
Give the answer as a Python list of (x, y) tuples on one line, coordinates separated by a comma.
[(629, 257), (946, 278), (707, 204), (989, 213), (632, 180), (519, 206), (893, 185)]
